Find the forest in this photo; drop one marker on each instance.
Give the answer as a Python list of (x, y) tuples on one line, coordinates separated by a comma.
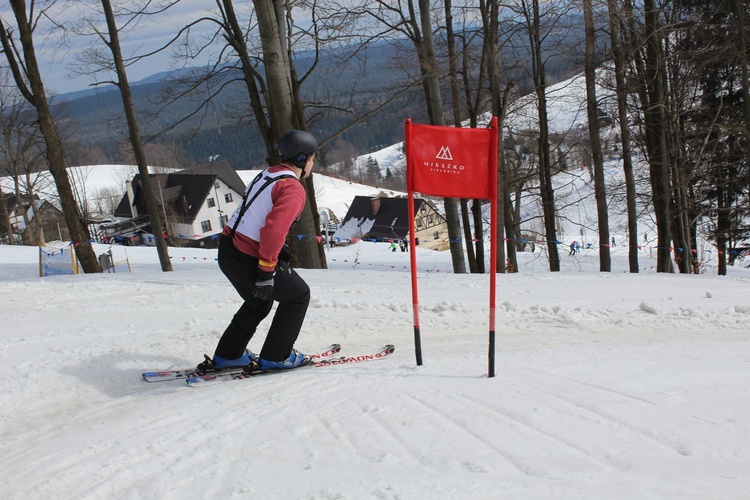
[(350, 74)]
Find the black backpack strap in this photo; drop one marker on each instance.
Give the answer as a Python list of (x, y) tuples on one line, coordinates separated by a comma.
[(246, 203)]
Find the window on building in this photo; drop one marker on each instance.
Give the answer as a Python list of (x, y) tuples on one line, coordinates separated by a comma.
[(223, 220), (228, 197), (419, 223), (217, 185), (211, 202), (436, 235), (206, 226)]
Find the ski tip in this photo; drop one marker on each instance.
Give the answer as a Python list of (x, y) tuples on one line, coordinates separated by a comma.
[(330, 351), (387, 350)]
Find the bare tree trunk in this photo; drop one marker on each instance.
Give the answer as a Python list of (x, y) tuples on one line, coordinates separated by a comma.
[(135, 138), (504, 187), (7, 228), (739, 12), (656, 139), (490, 13), (278, 79), (468, 237), (298, 118), (545, 162), (235, 36), (476, 213), (681, 226), (679, 167), (605, 262), (34, 226), (435, 103), (452, 64), (622, 110), (279, 102), (25, 72), (25, 198), (722, 224)]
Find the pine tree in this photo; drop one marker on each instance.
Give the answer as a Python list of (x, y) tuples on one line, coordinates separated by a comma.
[(373, 170)]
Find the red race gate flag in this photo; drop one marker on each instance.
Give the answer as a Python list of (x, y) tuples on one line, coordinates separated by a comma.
[(452, 163)]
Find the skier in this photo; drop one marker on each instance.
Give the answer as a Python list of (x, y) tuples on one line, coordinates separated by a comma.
[(254, 258)]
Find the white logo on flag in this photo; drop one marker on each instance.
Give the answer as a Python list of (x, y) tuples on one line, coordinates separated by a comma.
[(444, 154)]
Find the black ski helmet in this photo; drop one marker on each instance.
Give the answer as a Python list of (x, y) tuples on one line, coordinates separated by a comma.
[(296, 146)]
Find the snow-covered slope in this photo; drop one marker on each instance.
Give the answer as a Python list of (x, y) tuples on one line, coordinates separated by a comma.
[(608, 385)]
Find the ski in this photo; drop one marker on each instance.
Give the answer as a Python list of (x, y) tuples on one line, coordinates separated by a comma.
[(186, 373), (316, 362)]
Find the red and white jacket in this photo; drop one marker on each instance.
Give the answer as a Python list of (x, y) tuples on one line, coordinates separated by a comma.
[(263, 228)]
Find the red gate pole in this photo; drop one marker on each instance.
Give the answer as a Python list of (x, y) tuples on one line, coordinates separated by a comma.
[(492, 166), (412, 243)]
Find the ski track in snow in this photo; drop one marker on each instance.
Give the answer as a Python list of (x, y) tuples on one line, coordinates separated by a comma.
[(595, 396)]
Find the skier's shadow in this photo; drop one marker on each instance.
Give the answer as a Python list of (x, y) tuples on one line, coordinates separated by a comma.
[(118, 375)]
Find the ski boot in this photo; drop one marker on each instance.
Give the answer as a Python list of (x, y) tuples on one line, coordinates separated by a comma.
[(294, 360), (218, 364)]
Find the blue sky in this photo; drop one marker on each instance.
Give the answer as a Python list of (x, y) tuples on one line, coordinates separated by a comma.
[(56, 60)]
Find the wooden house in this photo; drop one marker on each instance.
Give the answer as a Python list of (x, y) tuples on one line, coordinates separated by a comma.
[(194, 204), (386, 219)]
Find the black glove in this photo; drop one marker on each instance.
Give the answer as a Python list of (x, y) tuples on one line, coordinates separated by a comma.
[(286, 254), (263, 288)]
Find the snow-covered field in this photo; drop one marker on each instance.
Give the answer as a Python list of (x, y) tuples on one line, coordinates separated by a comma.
[(608, 385)]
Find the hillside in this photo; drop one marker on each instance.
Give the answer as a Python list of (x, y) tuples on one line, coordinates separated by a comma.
[(226, 128)]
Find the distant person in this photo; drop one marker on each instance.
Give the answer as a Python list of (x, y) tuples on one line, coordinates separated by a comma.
[(613, 242), (572, 248), (393, 246), (254, 258)]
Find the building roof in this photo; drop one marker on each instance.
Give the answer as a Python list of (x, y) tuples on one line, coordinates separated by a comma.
[(389, 216), (10, 201), (183, 191), (223, 169), (14, 202)]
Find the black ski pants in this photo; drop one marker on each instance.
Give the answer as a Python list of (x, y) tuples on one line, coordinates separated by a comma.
[(289, 290)]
